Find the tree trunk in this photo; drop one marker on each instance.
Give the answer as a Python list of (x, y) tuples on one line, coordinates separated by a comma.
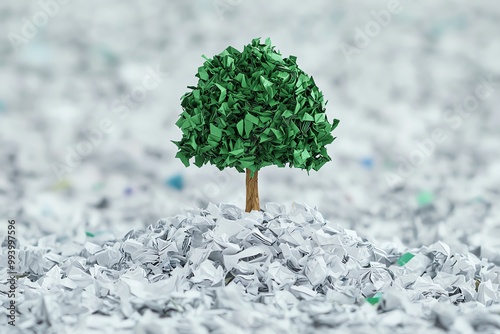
[(252, 191)]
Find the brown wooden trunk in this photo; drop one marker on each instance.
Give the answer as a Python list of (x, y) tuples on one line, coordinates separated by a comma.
[(252, 191)]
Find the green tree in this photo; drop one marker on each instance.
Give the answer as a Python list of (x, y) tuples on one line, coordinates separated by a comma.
[(253, 109)]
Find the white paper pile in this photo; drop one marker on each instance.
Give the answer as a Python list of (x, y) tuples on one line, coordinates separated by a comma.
[(226, 271)]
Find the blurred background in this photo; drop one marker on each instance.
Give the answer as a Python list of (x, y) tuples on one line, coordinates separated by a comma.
[(90, 92)]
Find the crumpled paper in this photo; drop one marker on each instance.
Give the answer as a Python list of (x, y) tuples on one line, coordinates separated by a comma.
[(220, 267)]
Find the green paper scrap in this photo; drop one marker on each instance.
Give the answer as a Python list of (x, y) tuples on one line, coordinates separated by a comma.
[(478, 199), (96, 233), (375, 298), (405, 258), (425, 198), (254, 108), (98, 186)]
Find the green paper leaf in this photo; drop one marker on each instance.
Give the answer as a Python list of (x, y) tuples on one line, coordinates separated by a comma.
[(252, 118), (307, 117), (202, 73), (183, 157), (199, 161), (248, 127), (222, 92), (335, 123), (239, 126), (277, 133), (196, 94), (264, 138), (215, 132), (237, 151), (319, 118)]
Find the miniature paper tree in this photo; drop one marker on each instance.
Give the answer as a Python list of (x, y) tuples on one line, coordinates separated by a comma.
[(253, 109)]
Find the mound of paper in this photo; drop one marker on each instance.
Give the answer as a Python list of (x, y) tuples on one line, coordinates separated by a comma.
[(222, 270)]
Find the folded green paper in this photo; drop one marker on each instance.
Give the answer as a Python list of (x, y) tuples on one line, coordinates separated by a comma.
[(252, 109)]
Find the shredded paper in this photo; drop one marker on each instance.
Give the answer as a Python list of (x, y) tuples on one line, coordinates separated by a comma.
[(223, 270)]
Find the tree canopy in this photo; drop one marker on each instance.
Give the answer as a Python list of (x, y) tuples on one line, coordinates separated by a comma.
[(252, 109)]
